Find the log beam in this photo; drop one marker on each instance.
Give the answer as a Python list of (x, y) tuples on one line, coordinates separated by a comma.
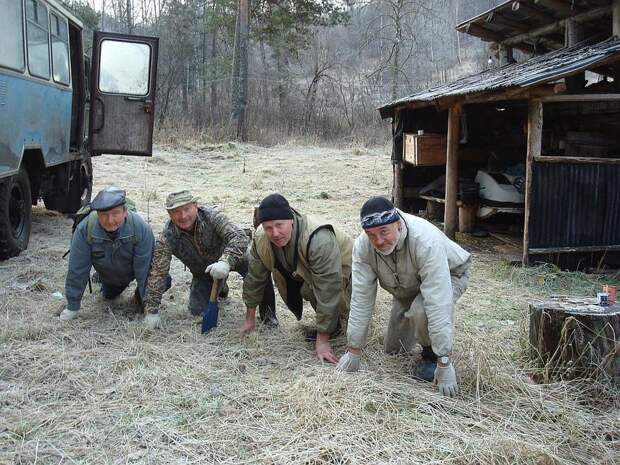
[(557, 25), (451, 215), (534, 148)]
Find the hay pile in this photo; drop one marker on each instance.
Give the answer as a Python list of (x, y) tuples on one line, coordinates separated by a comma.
[(101, 390)]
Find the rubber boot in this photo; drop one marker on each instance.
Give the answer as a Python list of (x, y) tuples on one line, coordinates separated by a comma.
[(425, 369)]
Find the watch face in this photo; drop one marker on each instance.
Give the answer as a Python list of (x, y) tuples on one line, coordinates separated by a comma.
[(444, 360)]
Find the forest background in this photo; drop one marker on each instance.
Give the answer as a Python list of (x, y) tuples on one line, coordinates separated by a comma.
[(317, 69)]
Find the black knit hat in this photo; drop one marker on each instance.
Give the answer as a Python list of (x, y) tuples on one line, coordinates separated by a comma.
[(274, 207), (378, 211)]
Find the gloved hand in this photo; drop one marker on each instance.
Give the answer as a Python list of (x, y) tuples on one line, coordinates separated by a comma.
[(152, 321), (349, 362), (67, 314), (218, 270), (445, 379)]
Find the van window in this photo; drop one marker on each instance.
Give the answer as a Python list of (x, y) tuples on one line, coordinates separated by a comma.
[(37, 29), (124, 68), (60, 49), (11, 35)]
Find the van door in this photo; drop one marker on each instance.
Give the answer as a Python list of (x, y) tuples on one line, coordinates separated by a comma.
[(122, 94)]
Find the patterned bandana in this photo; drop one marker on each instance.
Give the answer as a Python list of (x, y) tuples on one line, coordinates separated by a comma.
[(380, 218)]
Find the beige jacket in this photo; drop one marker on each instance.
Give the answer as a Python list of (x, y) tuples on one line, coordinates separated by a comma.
[(422, 262)]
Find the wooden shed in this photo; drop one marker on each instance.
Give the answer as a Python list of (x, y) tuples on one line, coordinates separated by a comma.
[(554, 117)]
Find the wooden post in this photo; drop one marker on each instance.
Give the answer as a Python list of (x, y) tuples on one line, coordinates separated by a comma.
[(534, 147), (505, 55), (451, 214), (397, 192), (467, 218), (573, 34), (616, 18)]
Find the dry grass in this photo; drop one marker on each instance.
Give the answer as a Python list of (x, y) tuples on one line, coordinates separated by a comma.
[(101, 390)]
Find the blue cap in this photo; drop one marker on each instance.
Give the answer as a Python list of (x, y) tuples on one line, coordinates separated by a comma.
[(109, 198)]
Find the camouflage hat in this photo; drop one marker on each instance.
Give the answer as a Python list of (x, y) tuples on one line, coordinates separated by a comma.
[(178, 199)]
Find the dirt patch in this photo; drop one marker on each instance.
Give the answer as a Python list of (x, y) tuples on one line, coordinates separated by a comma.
[(101, 390)]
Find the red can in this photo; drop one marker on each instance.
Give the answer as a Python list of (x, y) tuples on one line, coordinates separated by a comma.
[(612, 292)]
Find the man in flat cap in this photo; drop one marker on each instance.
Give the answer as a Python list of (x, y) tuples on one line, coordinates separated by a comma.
[(425, 272), (116, 242), (310, 260), (208, 244)]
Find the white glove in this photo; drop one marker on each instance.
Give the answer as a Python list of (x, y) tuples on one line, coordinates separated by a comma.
[(349, 362), (445, 379), (67, 315), (152, 321), (218, 270)]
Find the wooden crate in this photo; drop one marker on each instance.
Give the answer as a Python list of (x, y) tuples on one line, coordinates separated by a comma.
[(425, 149)]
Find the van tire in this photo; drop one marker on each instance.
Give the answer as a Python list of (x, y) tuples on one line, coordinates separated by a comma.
[(15, 214), (79, 193)]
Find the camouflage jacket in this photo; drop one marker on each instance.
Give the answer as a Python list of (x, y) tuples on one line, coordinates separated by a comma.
[(214, 238)]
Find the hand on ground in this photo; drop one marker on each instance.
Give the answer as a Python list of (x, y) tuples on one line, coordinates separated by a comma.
[(325, 353)]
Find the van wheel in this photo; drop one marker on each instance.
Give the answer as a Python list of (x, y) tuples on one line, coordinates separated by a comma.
[(79, 192), (15, 214)]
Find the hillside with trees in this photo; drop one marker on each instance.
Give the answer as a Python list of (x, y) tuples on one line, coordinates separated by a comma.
[(316, 68)]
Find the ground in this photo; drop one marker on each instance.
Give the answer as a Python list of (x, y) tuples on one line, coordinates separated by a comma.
[(102, 390)]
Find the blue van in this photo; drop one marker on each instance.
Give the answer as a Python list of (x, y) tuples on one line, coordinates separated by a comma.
[(55, 113)]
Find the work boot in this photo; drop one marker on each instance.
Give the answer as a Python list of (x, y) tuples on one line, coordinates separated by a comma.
[(223, 291), (425, 369)]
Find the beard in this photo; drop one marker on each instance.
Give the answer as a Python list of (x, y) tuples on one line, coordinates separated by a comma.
[(389, 248)]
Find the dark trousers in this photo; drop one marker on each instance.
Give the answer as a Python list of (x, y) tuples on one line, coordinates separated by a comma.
[(111, 292), (200, 292)]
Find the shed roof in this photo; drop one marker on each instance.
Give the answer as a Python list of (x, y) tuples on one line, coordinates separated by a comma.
[(536, 25), (537, 70)]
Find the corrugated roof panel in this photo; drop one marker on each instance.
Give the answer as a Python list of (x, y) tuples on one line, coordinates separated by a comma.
[(539, 69)]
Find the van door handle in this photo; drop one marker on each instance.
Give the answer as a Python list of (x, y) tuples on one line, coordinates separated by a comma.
[(102, 111), (135, 99)]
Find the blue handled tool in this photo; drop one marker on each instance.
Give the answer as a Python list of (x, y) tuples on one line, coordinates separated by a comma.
[(210, 315)]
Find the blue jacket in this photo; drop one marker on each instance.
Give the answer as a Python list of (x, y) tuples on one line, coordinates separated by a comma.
[(118, 261)]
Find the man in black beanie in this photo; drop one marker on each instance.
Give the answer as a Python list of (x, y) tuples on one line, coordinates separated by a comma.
[(424, 271), (310, 260)]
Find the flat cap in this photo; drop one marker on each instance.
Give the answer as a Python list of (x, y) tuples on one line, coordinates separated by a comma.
[(108, 198), (178, 199)]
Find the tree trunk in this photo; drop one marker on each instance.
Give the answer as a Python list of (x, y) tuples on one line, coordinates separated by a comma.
[(575, 337), (213, 74), (129, 18), (244, 37)]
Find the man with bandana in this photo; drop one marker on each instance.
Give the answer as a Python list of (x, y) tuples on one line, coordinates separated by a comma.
[(425, 272)]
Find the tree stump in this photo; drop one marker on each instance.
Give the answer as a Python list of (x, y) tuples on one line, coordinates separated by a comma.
[(576, 337)]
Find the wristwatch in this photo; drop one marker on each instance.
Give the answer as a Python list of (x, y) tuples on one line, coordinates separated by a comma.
[(444, 360)]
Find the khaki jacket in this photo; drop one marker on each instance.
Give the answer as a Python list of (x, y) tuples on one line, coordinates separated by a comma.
[(323, 261)]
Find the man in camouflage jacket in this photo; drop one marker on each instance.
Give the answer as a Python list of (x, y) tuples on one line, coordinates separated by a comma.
[(207, 243)]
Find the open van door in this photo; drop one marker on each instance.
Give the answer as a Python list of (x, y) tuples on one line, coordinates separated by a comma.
[(122, 94)]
